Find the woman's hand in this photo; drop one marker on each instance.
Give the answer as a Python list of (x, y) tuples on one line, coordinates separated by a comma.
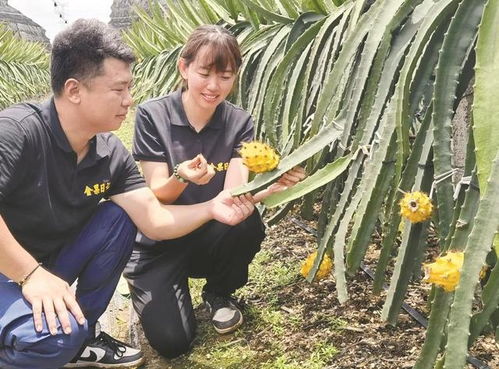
[(287, 180), (196, 170)]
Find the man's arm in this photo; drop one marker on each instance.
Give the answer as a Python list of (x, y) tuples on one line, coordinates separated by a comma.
[(161, 222), (15, 262), (45, 291)]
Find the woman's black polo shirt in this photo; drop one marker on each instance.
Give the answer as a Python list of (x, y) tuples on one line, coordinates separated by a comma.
[(163, 134), (45, 197)]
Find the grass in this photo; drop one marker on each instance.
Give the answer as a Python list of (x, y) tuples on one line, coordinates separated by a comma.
[(125, 133), (263, 341)]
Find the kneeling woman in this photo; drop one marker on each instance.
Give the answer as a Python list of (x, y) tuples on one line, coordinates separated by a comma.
[(187, 144)]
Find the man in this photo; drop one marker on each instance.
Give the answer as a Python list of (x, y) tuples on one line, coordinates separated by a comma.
[(57, 162)]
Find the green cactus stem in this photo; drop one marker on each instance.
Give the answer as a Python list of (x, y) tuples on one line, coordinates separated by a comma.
[(315, 144), (479, 244)]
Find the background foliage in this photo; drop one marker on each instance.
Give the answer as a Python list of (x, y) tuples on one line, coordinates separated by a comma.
[(364, 91), (24, 71), (382, 80)]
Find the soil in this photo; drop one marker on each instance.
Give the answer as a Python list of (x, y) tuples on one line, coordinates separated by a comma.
[(362, 339), (365, 341)]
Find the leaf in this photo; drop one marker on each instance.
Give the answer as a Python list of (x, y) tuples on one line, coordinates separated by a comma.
[(311, 147), (267, 13), (318, 179), (24, 69)]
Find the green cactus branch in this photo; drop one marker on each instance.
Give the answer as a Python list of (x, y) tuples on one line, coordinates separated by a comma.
[(490, 298), (318, 142), (458, 39), (418, 157), (479, 244), (320, 178), (440, 306), (485, 106), (412, 246)]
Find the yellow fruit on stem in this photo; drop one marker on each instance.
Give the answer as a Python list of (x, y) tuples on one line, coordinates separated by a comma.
[(259, 157), (324, 268), (445, 272), (416, 207)]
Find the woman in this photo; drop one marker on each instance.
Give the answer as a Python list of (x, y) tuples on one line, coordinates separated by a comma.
[(188, 146)]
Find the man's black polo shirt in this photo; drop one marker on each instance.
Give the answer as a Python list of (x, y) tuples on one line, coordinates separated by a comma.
[(45, 197), (163, 134)]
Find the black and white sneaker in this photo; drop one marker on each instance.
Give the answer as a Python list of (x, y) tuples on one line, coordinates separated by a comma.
[(106, 352), (226, 316)]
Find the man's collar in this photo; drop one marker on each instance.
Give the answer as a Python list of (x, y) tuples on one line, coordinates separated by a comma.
[(51, 117), (98, 147), (101, 147)]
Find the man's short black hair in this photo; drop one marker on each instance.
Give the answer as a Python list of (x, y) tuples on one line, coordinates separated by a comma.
[(79, 51)]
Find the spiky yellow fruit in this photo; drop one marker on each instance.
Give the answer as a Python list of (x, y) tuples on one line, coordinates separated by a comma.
[(259, 157), (324, 268), (445, 272), (416, 206)]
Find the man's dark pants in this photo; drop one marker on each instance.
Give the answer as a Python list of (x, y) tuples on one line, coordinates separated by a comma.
[(158, 277), (97, 258)]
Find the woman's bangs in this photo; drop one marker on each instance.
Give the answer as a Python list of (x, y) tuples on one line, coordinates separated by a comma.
[(220, 57)]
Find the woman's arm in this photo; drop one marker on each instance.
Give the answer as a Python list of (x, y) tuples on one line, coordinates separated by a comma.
[(237, 174), (166, 187)]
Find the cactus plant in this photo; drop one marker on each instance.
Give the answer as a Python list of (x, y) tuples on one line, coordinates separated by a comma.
[(323, 81)]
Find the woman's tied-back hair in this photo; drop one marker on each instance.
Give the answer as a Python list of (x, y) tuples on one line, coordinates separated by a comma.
[(223, 49), (79, 52)]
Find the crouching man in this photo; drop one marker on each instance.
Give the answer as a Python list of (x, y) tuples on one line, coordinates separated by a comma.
[(57, 162)]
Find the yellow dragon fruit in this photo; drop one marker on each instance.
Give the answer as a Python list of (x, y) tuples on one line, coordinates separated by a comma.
[(324, 268), (416, 206), (445, 272), (259, 157)]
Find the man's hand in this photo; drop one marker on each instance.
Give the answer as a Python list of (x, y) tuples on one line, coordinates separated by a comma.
[(196, 170), (231, 210), (52, 295)]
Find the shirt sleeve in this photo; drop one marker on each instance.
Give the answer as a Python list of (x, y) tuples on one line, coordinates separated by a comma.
[(126, 175), (246, 134), (12, 146), (146, 145)]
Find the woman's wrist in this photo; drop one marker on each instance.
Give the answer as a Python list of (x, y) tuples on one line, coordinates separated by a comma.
[(177, 175)]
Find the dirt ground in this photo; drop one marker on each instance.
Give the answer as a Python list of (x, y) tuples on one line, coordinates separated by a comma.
[(355, 329), (364, 341)]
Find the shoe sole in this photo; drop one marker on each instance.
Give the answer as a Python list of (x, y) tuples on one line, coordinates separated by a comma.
[(132, 364), (230, 329)]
